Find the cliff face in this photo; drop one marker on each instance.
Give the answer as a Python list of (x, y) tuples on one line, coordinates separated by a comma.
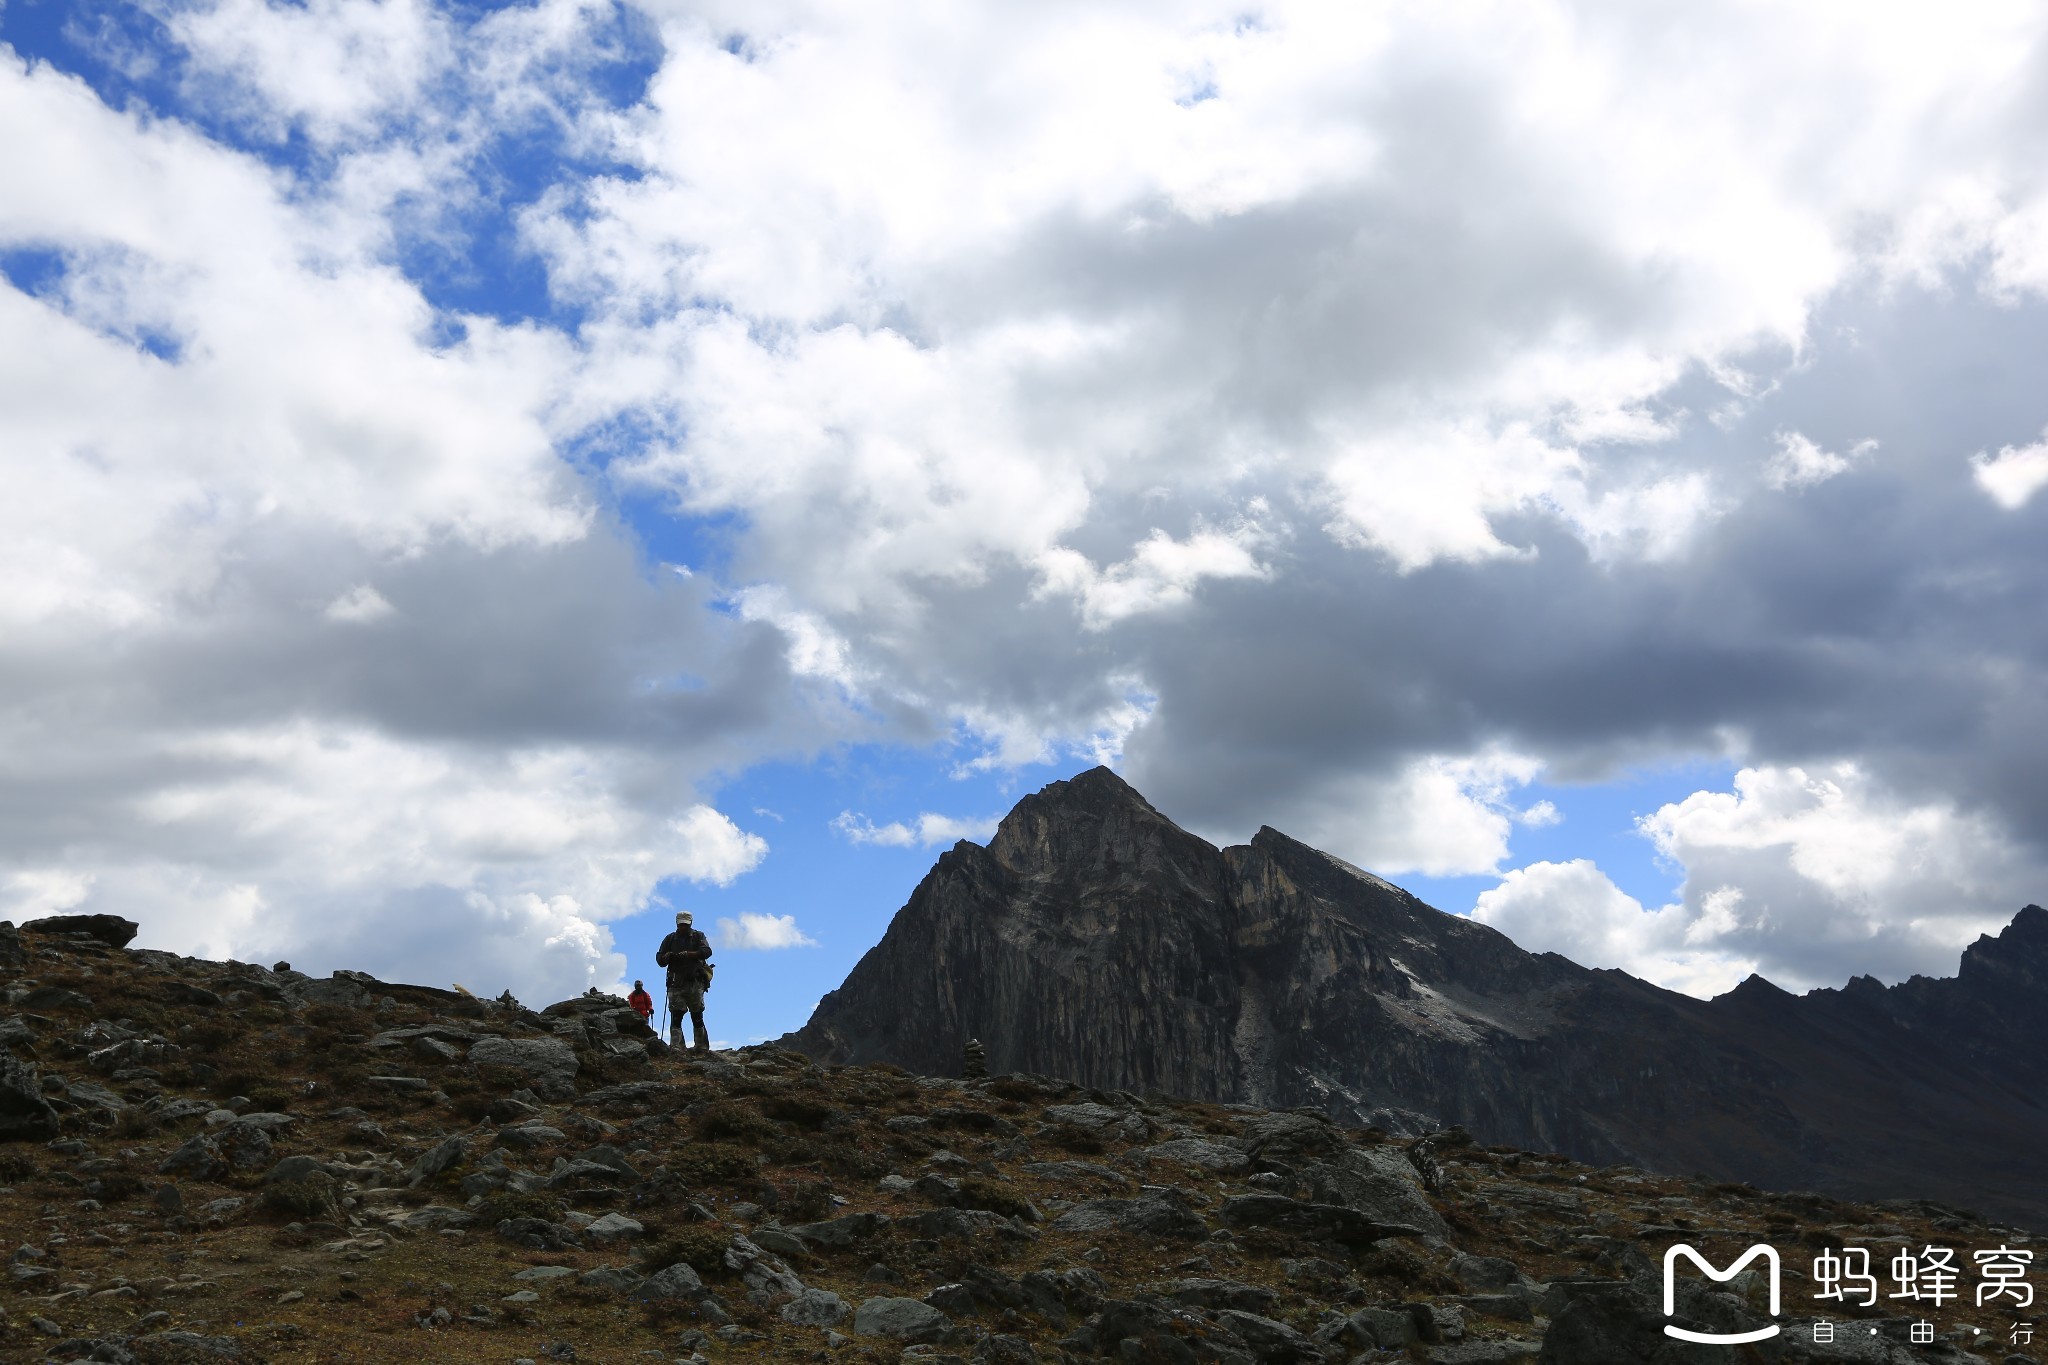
[(1093, 939)]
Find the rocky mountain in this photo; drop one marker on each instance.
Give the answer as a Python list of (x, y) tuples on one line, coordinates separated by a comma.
[(217, 1162), (1094, 939)]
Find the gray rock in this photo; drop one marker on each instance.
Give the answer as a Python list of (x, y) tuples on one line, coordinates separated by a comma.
[(548, 1066), (1379, 1182), (292, 1168), (185, 1345), (538, 1234), (618, 1279), (1102, 1120), (900, 1320), (436, 1159), (541, 1273), (604, 1155), (767, 1280), (815, 1308), (112, 930), (25, 1115), (1390, 1329), (1219, 1157), (677, 1282), (612, 1227), (530, 1135), (1331, 1222), (780, 1241), (245, 1147), (1151, 1216), (1270, 1341), (1494, 1351), (581, 1172), (842, 1231), (1205, 1293), (199, 1157)]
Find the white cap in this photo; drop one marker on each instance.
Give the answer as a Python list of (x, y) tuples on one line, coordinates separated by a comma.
[(682, 917)]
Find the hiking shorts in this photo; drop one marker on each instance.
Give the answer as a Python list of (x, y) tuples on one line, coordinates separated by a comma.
[(685, 997)]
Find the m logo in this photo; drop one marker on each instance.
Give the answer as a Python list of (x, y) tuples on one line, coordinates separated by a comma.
[(1769, 1253)]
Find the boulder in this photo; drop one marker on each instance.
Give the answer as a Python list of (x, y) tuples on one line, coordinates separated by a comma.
[(1379, 1182), (547, 1066), (245, 1146), (768, 1280), (198, 1157), (436, 1159), (1322, 1222), (111, 930), (618, 1279), (1271, 1342), (613, 1227), (1219, 1157), (842, 1231), (1213, 1294), (900, 1320), (25, 1116), (815, 1308), (1151, 1215), (1102, 1120), (538, 1234), (677, 1282)]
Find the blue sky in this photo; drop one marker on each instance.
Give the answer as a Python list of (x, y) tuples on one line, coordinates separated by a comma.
[(484, 475)]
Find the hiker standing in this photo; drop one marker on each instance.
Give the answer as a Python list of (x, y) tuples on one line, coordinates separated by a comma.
[(687, 955), (641, 1001)]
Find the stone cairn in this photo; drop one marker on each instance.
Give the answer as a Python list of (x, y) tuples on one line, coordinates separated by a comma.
[(974, 1065)]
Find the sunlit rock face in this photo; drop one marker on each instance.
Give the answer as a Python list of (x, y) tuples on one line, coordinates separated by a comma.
[(1093, 939)]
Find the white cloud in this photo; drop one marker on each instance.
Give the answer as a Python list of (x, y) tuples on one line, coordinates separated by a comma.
[(1440, 815), (946, 325), (360, 605), (927, 831), (1573, 909), (1541, 815), (34, 894), (1161, 573), (1804, 876), (765, 932), (1799, 463), (2014, 474)]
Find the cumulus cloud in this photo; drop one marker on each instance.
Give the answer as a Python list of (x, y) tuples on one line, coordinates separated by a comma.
[(1800, 463), (1334, 419), (1440, 815), (1792, 873), (927, 831), (1161, 573), (1573, 909), (361, 604), (763, 932), (2014, 474)]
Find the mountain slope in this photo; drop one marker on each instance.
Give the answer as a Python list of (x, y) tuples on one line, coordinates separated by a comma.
[(1094, 939)]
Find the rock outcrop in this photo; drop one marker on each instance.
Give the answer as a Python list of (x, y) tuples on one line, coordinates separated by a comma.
[(1093, 939)]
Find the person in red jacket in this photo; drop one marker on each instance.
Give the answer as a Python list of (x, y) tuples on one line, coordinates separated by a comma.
[(641, 1001)]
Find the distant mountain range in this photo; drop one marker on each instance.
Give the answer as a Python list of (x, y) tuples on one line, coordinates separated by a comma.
[(1095, 940)]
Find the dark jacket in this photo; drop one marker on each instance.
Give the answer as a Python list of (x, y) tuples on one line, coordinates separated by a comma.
[(685, 953)]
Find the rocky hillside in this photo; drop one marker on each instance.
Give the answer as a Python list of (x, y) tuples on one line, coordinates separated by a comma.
[(209, 1162), (1093, 938)]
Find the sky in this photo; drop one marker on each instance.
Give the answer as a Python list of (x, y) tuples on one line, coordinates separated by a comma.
[(478, 478)]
